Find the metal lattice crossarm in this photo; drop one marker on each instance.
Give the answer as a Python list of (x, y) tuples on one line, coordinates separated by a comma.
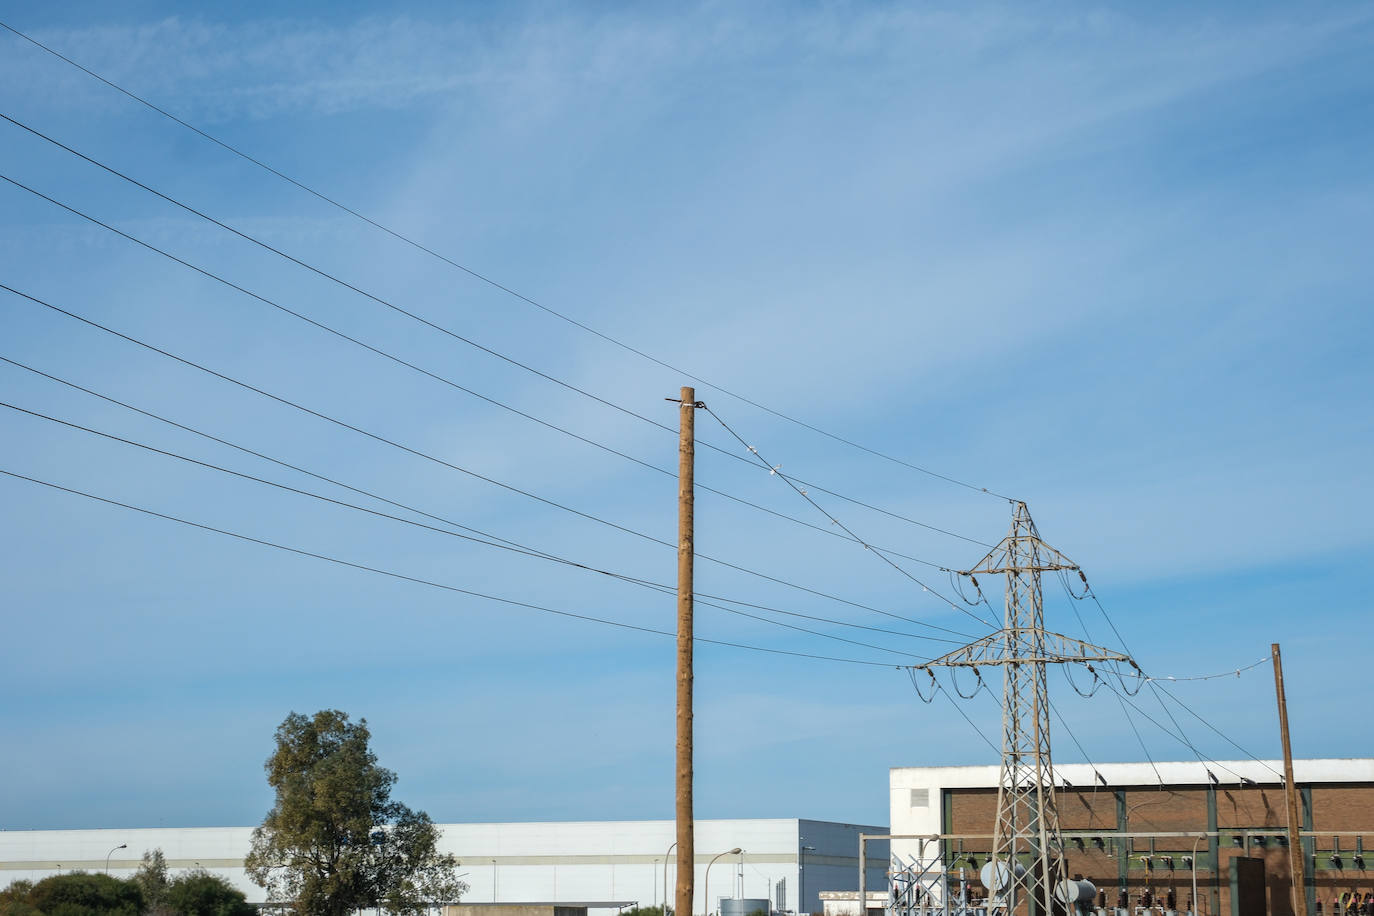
[(1007, 648), (1021, 553)]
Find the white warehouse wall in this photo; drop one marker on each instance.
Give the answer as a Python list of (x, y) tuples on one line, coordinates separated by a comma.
[(572, 862)]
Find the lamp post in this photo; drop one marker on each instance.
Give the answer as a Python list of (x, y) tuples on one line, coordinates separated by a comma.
[(112, 852), (665, 878), (706, 884)]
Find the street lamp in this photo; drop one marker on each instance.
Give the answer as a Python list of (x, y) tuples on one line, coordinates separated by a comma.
[(112, 852), (665, 878), (706, 884), (801, 875)]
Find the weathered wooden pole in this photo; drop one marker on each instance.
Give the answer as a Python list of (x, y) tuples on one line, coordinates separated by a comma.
[(1296, 855), (686, 847)]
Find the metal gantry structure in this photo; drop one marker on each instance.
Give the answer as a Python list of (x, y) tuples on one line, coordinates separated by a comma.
[(1027, 863)]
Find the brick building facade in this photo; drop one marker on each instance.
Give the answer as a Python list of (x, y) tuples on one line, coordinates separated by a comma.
[(1117, 818)]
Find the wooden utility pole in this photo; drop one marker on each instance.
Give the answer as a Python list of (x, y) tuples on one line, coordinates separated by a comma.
[(686, 848), (1297, 859)]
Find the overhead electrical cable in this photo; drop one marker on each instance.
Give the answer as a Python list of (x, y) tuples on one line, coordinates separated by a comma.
[(1156, 685), (1098, 778), (427, 582), (1178, 736), (1054, 710), (1123, 696), (451, 383), (1212, 677), (493, 283), (775, 471), (1190, 711), (661, 588), (976, 730), (1183, 735), (1121, 700), (703, 597), (256, 454), (1087, 633), (938, 688), (1125, 712), (444, 463)]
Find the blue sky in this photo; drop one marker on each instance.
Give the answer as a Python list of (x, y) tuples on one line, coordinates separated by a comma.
[(1109, 260)]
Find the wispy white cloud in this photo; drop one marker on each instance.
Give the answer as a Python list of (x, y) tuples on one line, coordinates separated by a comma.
[(222, 69)]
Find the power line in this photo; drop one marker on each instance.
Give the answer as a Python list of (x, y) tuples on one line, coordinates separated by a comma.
[(976, 730), (890, 514), (1189, 710), (1156, 685), (1098, 777), (1178, 736), (1212, 677), (703, 597), (514, 546), (444, 463), (775, 470), (522, 550), (1179, 728), (1073, 604), (939, 688), (414, 316), (1143, 749), (1070, 732), (427, 582), (249, 451), (493, 283), (426, 372)]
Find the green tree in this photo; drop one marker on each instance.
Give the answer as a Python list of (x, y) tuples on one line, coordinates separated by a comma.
[(14, 899), (16, 891), (334, 841), (81, 894), (199, 893), (153, 882)]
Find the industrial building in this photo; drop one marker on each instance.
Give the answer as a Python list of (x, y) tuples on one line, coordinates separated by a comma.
[(1149, 830), (603, 865), (1148, 833)]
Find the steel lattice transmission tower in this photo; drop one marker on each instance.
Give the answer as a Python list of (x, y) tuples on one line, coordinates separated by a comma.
[(1028, 856)]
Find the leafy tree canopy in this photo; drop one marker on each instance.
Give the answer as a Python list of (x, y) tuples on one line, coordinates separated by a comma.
[(150, 892), (199, 893), (14, 899), (81, 894), (334, 841), (152, 881)]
